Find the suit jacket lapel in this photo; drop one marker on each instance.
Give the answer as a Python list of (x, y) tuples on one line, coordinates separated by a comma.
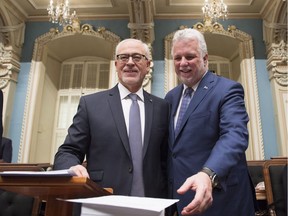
[(175, 103), (117, 113), (148, 104), (205, 85)]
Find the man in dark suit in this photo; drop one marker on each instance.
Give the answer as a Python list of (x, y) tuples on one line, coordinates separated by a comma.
[(207, 164), (100, 130), (6, 150)]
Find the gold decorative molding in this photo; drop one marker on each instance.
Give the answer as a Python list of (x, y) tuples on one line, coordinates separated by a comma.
[(208, 26), (87, 29), (70, 30), (217, 28)]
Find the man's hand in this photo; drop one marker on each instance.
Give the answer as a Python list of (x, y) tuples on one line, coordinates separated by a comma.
[(203, 199), (80, 171)]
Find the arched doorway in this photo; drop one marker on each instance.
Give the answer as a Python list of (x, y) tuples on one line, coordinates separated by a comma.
[(51, 50)]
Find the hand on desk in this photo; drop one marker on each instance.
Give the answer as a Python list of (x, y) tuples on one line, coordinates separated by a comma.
[(203, 199), (80, 171)]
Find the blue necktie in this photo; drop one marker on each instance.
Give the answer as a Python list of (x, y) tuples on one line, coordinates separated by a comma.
[(135, 140), (184, 105)]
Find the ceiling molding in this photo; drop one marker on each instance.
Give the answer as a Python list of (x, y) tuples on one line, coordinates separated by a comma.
[(173, 9)]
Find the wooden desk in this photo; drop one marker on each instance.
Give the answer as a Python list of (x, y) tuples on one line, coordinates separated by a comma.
[(49, 188)]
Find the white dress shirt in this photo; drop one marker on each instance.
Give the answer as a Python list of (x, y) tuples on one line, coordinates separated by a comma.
[(126, 103), (180, 102)]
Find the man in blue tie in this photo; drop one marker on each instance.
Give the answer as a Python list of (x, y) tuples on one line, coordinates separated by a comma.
[(123, 152), (207, 164)]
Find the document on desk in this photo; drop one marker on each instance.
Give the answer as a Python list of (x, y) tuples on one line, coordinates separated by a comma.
[(117, 205), (65, 172)]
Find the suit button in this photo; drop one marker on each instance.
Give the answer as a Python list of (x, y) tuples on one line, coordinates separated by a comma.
[(174, 155), (130, 169)]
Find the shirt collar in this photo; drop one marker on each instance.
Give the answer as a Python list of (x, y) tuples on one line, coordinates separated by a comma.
[(124, 92), (195, 86)]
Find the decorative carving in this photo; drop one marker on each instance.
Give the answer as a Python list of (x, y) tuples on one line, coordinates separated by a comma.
[(208, 26), (147, 79), (69, 30), (281, 76), (8, 64), (277, 63), (5, 53), (217, 28), (279, 51), (3, 83), (85, 29)]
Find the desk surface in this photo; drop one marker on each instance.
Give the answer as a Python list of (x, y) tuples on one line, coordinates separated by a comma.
[(60, 187), (53, 187), (24, 166)]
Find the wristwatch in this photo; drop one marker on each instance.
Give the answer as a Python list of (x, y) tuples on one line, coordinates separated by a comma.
[(213, 177)]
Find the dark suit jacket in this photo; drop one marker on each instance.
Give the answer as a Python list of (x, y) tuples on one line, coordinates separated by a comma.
[(99, 130), (213, 134), (6, 150)]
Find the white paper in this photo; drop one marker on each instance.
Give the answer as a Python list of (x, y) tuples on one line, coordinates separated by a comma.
[(65, 172), (116, 205)]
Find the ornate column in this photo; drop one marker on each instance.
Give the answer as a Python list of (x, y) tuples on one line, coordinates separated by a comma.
[(11, 40), (141, 20), (278, 76), (275, 37), (142, 27)]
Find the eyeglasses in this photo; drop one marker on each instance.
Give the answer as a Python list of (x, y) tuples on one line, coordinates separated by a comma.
[(136, 57)]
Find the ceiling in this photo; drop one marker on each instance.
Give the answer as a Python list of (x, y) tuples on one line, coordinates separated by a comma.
[(36, 10), (93, 9)]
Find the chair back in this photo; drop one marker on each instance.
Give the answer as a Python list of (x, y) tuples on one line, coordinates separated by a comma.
[(275, 178), (255, 168), (17, 204)]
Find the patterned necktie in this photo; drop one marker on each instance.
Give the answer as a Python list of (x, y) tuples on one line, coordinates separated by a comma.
[(135, 140), (184, 105)]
